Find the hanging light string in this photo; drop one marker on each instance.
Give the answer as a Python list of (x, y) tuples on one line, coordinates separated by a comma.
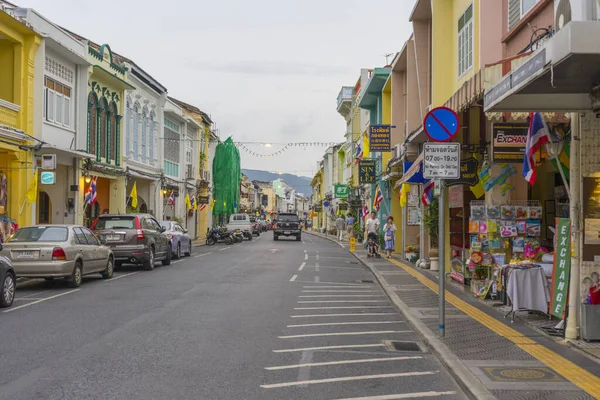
[(286, 146)]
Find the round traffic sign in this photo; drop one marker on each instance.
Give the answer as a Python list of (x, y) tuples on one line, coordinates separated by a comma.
[(441, 124), (326, 204)]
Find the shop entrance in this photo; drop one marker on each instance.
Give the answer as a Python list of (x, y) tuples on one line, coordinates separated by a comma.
[(44, 208)]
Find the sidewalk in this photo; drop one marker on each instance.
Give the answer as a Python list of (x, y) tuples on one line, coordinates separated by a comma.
[(489, 356)]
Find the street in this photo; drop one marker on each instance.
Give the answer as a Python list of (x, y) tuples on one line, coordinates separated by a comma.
[(257, 320)]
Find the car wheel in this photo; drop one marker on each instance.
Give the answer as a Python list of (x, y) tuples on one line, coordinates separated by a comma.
[(178, 251), (189, 252), (275, 237), (110, 269), (250, 237), (298, 238), (7, 290), (167, 261), (149, 263), (77, 276)]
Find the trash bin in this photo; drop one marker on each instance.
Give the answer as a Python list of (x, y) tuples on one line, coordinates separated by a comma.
[(590, 321)]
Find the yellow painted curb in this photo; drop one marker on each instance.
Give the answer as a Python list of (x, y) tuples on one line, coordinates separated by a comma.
[(585, 380)]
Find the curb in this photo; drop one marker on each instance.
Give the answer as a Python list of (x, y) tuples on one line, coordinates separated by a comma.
[(461, 374)]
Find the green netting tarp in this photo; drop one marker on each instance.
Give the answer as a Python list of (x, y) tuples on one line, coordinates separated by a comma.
[(227, 176)]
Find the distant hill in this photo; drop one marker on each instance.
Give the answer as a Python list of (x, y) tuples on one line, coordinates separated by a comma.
[(300, 183)]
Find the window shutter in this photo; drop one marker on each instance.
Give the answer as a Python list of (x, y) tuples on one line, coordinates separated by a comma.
[(50, 112), (514, 12)]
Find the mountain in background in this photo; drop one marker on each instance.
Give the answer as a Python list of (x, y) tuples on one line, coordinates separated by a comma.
[(300, 183)]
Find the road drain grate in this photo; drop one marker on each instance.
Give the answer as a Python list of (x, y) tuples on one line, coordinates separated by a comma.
[(393, 345)]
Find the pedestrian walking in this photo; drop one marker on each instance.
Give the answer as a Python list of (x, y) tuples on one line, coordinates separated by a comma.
[(388, 229), (350, 224), (372, 227), (340, 224)]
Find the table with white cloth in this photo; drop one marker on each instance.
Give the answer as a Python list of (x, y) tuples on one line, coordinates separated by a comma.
[(528, 290)]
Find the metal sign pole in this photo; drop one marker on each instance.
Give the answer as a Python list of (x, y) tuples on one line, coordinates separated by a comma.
[(442, 257)]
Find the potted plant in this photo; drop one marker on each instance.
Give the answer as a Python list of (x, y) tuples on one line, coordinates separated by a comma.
[(431, 223)]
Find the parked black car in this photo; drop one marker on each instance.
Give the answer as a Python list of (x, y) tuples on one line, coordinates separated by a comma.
[(134, 238), (8, 282), (288, 224)]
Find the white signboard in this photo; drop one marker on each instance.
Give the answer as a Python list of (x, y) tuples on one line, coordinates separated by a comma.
[(441, 161)]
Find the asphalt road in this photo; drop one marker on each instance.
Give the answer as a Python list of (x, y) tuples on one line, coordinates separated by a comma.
[(257, 320)]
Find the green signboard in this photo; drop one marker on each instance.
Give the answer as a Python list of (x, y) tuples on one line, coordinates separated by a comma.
[(341, 191), (562, 267)]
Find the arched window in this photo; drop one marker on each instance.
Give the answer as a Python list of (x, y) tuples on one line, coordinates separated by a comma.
[(151, 137), (144, 132), (102, 129), (136, 129), (92, 121), (113, 134), (128, 126)]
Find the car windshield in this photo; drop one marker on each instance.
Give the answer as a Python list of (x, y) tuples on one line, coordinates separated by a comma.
[(287, 218), (115, 223), (166, 225), (40, 234)]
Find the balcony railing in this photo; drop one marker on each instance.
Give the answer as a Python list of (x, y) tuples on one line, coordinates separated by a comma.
[(9, 114), (345, 94)]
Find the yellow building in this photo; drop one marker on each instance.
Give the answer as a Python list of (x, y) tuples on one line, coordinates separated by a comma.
[(318, 219), (18, 47), (107, 84)]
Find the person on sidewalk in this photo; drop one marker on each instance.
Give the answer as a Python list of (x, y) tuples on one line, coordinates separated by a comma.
[(388, 231), (350, 225), (340, 224), (372, 226)]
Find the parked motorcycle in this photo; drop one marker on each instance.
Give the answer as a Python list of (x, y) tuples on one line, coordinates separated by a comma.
[(238, 236), (216, 235)]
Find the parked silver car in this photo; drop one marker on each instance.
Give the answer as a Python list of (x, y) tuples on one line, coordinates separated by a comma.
[(181, 242), (58, 251)]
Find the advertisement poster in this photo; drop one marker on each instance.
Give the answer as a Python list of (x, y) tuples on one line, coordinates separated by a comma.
[(414, 216), (592, 231), (562, 267), (508, 142), (367, 171)]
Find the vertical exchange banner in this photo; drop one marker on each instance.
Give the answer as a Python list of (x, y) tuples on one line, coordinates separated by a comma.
[(380, 138), (562, 267)]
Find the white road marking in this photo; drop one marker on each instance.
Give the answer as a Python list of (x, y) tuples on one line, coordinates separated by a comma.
[(34, 294), (345, 323), (348, 378), (293, 278), (350, 290), (344, 295), (335, 283), (205, 254), (355, 269), (342, 315), (28, 298), (224, 248), (305, 250), (121, 276), (419, 395), (39, 301), (351, 346), (317, 279), (317, 256), (321, 364), (175, 262), (340, 286), (302, 266), (342, 301), (306, 256), (339, 308), (317, 267)]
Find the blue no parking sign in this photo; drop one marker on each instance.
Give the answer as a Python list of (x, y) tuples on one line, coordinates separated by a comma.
[(441, 124)]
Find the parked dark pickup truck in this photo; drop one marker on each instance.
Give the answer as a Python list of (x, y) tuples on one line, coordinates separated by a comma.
[(288, 224)]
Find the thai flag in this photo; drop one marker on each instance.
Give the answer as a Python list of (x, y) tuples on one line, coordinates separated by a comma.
[(427, 196), (172, 200), (91, 195), (365, 211), (202, 207), (378, 198), (536, 137), (359, 153)]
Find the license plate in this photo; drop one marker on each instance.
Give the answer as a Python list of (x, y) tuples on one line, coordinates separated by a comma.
[(25, 255), (113, 237), (287, 232)]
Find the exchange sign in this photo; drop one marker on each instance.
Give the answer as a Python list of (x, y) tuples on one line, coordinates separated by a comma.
[(441, 161)]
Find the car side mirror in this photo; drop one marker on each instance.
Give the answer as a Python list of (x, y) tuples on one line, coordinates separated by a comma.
[(185, 231), (162, 229), (102, 241)]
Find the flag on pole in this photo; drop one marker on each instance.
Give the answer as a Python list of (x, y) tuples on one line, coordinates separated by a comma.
[(90, 194), (378, 198), (404, 194), (366, 151), (133, 195), (212, 204), (427, 196), (365, 211), (171, 200), (359, 153), (188, 203), (194, 203), (33, 188), (537, 136)]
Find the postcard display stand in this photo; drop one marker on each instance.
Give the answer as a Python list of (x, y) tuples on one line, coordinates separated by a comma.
[(499, 235)]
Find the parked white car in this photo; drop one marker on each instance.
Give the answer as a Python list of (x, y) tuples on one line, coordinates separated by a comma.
[(242, 223)]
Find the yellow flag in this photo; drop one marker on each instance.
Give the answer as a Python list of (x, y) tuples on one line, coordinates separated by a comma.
[(33, 188), (133, 195), (212, 204), (404, 194), (188, 203), (366, 151)]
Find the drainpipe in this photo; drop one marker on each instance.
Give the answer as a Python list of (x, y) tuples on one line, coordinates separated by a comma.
[(572, 329)]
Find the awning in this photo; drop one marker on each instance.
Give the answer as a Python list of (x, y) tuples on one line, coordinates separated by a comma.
[(416, 167), (469, 92), (558, 77), (136, 175), (49, 149)]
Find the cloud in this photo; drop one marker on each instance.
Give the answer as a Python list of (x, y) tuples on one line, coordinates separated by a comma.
[(271, 68)]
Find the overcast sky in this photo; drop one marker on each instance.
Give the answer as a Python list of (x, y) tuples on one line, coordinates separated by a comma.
[(265, 70)]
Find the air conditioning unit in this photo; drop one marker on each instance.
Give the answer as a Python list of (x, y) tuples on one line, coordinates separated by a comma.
[(397, 151), (566, 11), (410, 149)]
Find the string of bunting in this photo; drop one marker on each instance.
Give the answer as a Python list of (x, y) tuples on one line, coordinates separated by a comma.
[(281, 151)]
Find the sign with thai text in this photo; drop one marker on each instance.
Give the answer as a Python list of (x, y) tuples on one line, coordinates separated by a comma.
[(202, 199), (562, 267), (441, 160), (341, 191), (367, 171), (468, 173), (508, 141), (380, 138)]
